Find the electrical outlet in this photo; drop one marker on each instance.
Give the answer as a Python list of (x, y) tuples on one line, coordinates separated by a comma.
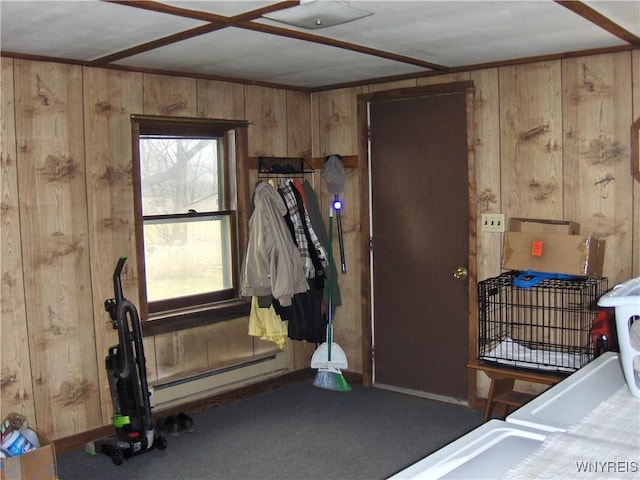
[(492, 222)]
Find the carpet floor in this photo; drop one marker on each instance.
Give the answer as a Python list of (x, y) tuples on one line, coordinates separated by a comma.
[(295, 432)]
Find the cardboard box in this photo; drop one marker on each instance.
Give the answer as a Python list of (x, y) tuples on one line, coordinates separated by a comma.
[(553, 253), (536, 225), (37, 464)]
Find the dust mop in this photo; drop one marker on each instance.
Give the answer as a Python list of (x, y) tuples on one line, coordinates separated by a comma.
[(329, 357)]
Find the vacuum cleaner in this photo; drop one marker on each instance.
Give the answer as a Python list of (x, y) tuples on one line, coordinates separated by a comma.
[(126, 369)]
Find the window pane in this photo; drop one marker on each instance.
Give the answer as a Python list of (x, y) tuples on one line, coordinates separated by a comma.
[(188, 257), (180, 174)]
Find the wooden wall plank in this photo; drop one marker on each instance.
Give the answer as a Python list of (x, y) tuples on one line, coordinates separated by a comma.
[(16, 394), (51, 170), (531, 140), (348, 328), (266, 109), (337, 122), (488, 191), (110, 98), (487, 156), (298, 124), (220, 100), (170, 96), (597, 185), (338, 134)]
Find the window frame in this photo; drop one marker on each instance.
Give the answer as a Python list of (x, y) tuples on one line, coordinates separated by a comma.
[(167, 315)]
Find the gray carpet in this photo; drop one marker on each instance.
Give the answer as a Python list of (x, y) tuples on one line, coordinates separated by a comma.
[(296, 432)]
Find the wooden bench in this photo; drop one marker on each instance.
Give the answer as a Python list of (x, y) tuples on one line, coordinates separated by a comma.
[(501, 389)]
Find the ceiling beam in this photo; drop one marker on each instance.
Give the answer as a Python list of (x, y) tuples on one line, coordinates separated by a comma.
[(243, 20), (216, 22), (204, 16), (161, 42), (283, 32), (595, 17)]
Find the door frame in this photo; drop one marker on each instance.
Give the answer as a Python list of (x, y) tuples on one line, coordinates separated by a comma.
[(363, 101)]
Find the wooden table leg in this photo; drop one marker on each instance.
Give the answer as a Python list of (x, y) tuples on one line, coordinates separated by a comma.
[(497, 388)]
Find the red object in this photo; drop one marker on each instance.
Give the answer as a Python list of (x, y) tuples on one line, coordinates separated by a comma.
[(536, 248), (603, 332)]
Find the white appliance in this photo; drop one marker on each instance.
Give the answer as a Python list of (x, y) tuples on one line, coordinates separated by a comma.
[(484, 453), (569, 401), (495, 447)]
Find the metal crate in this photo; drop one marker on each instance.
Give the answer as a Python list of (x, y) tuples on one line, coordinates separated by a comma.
[(543, 327)]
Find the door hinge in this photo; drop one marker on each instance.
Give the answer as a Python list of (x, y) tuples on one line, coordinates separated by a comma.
[(373, 352), (370, 243)]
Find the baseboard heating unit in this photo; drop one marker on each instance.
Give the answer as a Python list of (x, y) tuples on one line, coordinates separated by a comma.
[(219, 380)]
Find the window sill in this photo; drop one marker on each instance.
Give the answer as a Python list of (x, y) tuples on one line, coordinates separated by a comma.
[(167, 322)]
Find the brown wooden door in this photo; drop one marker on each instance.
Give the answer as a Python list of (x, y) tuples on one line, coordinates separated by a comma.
[(420, 230)]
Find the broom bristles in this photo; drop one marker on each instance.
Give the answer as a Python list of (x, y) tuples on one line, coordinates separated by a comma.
[(331, 379)]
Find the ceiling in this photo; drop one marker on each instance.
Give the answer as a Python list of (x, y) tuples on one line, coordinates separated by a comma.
[(229, 40)]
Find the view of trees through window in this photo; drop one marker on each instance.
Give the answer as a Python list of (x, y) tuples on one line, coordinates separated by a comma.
[(186, 229)]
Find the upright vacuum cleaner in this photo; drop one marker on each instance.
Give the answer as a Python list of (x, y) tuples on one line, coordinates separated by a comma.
[(127, 374)]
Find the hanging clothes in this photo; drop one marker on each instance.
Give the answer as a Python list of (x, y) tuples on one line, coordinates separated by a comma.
[(273, 265), (298, 229), (318, 252), (305, 316), (306, 319), (316, 249), (267, 325), (315, 216)]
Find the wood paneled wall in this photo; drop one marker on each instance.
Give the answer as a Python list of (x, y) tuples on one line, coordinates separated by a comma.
[(552, 140), (67, 216)]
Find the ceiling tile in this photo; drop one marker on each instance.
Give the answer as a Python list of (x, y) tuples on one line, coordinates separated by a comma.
[(81, 30), (239, 53), (225, 8)]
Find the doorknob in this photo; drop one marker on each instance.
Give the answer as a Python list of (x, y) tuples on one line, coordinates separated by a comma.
[(460, 273)]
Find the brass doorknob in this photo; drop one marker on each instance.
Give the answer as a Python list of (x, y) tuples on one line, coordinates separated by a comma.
[(460, 273)]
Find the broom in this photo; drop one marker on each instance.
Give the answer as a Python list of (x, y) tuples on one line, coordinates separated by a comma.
[(329, 375)]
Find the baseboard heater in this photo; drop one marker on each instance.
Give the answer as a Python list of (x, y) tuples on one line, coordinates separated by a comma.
[(219, 380)]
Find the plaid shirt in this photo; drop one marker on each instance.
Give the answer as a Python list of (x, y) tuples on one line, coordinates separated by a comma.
[(301, 221)]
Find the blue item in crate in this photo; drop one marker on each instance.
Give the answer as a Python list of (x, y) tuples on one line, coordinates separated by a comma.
[(530, 278)]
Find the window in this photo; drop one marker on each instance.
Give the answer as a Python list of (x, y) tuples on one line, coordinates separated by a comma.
[(186, 214)]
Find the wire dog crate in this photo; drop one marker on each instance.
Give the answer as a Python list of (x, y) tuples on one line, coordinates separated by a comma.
[(543, 327)]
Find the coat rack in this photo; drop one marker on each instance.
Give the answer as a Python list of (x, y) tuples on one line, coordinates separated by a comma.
[(310, 164), (289, 166)]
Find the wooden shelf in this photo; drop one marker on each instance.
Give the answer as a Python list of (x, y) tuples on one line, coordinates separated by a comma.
[(513, 399)]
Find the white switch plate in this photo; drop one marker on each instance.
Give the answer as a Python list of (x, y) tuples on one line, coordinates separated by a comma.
[(492, 222)]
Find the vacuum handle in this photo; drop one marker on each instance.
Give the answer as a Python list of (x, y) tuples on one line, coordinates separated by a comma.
[(117, 280), (128, 316), (125, 356)]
